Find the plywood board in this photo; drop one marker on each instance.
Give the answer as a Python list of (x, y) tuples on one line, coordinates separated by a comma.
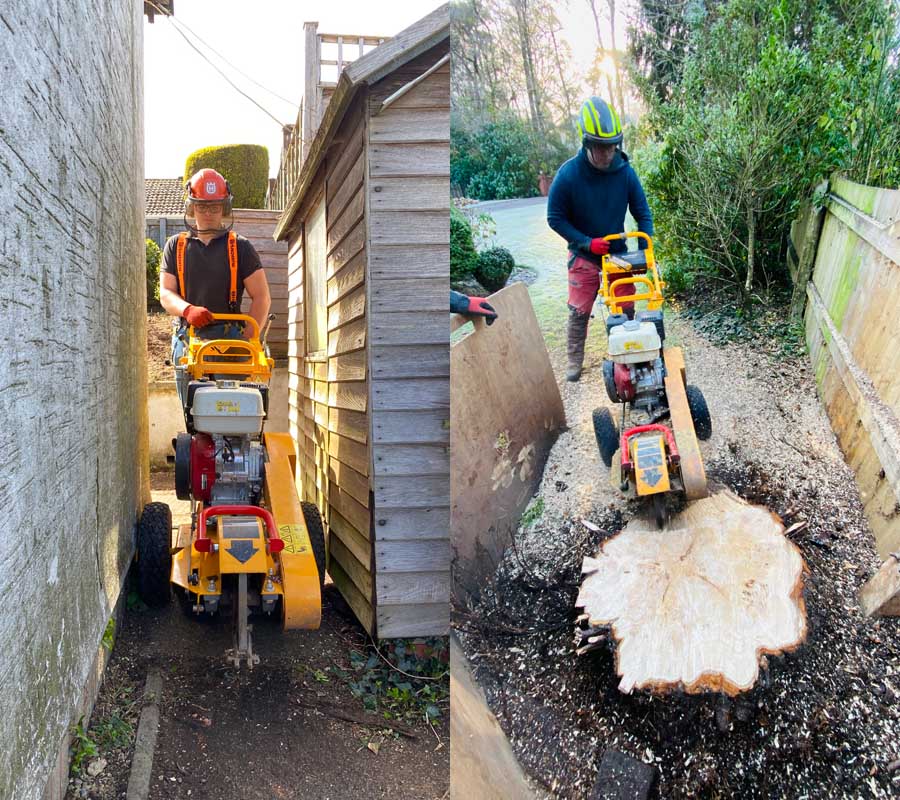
[(498, 443), (483, 763)]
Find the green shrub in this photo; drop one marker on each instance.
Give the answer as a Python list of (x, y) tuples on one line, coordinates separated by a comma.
[(153, 256), (463, 258), (494, 268), (498, 161), (245, 167)]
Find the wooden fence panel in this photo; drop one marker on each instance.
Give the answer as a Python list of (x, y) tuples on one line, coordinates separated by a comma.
[(850, 338)]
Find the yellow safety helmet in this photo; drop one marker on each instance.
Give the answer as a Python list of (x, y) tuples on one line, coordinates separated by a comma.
[(598, 123)]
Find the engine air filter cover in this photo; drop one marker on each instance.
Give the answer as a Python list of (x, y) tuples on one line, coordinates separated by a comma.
[(228, 409), (634, 342)]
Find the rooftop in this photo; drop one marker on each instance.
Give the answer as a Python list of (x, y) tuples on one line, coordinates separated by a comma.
[(164, 196)]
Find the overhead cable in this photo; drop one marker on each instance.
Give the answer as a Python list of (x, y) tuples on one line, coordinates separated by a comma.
[(178, 23), (216, 68)]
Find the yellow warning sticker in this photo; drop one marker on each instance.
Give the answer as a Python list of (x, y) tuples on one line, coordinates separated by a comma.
[(295, 537), (228, 406)]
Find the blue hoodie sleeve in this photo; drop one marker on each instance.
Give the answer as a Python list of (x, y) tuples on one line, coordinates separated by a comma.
[(638, 206), (559, 212)]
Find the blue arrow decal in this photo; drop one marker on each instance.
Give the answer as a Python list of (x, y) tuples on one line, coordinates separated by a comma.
[(243, 550), (651, 476)]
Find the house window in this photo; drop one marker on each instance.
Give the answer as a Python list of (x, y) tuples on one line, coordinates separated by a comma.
[(316, 297)]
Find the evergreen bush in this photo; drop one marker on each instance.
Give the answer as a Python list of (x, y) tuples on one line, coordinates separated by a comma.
[(245, 167), (494, 268), (463, 258), (153, 257)]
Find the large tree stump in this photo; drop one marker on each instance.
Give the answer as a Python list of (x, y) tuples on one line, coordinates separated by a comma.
[(694, 606)]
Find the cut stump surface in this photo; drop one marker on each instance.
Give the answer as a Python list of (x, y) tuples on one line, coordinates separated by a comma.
[(695, 606)]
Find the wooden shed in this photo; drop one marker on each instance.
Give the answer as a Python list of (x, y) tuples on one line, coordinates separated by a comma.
[(366, 217)]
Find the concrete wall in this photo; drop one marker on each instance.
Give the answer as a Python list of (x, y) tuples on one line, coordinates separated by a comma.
[(73, 375)]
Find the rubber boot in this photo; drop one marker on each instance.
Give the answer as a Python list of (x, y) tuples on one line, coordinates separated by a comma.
[(578, 325)]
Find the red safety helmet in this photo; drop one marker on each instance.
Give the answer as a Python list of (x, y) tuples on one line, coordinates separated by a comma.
[(205, 187), (208, 186)]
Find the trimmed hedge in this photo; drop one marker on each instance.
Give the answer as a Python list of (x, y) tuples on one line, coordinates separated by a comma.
[(463, 258), (245, 167), (494, 267), (153, 256)]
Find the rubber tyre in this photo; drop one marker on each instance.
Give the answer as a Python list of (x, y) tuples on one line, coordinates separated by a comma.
[(609, 381), (699, 413), (606, 433), (316, 531), (154, 562)]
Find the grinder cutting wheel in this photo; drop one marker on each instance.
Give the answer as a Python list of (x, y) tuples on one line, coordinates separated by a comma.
[(251, 544), (661, 415)]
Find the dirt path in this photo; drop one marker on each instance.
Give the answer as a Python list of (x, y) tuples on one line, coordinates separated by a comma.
[(822, 723), (266, 733)]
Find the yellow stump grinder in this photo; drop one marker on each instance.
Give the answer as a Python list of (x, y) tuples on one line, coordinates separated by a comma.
[(661, 415), (251, 544)]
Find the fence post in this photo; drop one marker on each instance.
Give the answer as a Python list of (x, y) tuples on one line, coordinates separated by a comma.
[(806, 255)]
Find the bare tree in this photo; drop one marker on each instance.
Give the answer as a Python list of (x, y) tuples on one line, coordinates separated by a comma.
[(531, 83), (620, 96), (603, 50)]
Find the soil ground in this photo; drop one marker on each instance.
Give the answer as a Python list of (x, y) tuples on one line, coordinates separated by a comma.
[(268, 733), (823, 722), (159, 346)]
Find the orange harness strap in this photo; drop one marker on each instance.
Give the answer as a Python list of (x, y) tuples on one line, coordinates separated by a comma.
[(180, 247), (233, 268)]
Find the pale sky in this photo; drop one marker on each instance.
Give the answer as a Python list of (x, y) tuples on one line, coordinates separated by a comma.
[(579, 31), (188, 105)]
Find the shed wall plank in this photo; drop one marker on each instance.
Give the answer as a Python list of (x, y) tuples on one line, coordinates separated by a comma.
[(412, 460), (412, 587), (405, 427), (410, 394), (401, 492), (421, 619), (410, 194), (422, 555), (411, 523)]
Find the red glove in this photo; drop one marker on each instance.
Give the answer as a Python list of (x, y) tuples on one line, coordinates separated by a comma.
[(481, 307), (599, 247), (198, 316)]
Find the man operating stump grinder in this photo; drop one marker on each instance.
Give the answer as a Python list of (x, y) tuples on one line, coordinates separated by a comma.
[(588, 200), (207, 269)]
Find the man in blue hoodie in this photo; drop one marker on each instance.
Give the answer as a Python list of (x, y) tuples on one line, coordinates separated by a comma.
[(587, 201)]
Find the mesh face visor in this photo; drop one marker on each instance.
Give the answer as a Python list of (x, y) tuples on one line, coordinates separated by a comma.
[(200, 222)]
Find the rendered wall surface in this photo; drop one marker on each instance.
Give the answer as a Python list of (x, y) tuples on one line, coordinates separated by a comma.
[(73, 376)]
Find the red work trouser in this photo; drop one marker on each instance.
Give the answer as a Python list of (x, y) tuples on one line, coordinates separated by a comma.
[(584, 283)]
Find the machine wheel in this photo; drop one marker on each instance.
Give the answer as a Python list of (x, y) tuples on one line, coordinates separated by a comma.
[(154, 563), (609, 381), (316, 537), (699, 413), (606, 433)]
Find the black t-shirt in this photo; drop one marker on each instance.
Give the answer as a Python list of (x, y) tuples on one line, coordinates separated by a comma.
[(207, 278)]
